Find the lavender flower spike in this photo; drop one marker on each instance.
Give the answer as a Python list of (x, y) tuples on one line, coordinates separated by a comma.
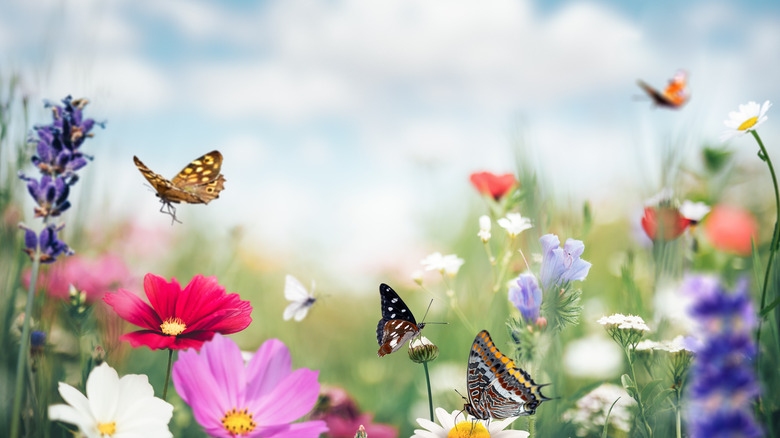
[(560, 266), (51, 247)]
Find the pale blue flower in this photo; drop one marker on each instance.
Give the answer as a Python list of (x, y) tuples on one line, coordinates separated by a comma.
[(560, 266)]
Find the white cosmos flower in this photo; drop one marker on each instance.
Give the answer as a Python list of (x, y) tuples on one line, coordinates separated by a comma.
[(114, 407), (514, 223), (466, 427), (748, 118), (484, 228), (449, 264)]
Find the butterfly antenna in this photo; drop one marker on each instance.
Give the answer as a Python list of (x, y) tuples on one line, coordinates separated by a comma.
[(426, 315)]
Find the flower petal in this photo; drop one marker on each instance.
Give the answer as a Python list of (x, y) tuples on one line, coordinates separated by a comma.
[(293, 397), (307, 429), (133, 309), (198, 388), (163, 296), (268, 367), (102, 390), (151, 339)]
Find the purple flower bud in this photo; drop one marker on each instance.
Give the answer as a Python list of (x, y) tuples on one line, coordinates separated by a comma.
[(525, 294)]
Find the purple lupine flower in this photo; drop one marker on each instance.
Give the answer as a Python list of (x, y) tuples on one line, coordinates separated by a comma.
[(50, 246), (261, 398), (560, 266), (525, 294), (51, 194), (722, 379)]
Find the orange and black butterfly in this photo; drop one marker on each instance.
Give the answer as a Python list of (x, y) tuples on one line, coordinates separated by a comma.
[(198, 183), (674, 96)]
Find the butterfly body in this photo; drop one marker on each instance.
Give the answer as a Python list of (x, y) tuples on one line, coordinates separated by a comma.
[(674, 96), (496, 387), (301, 299), (198, 183), (397, 325)]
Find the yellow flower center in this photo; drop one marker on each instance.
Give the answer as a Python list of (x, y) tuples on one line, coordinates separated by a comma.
[(469, 429), (107, 428), (173, 326), (747, 124), (238, 422)]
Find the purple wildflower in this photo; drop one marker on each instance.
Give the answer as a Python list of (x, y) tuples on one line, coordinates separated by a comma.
[(560, 266), (48, 243), (261, 398), (525, 294), (723, 381)]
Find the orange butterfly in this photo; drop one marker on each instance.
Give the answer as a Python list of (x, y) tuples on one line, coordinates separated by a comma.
[(674, 96)]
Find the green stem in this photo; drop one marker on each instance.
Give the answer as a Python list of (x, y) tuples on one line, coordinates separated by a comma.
[(167, 374), (638, 394), (504, 265), (428, 381), (531, 425), (24, 347), (773, 247)]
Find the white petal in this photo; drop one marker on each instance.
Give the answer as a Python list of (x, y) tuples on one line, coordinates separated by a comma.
[(102, 391), (429, 425), (76, 399), (425, 434), (70, 415)]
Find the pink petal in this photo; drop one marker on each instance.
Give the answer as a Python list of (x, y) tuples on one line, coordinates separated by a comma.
[(192, 340), (197, 387), (132, 309), (307, 429), (201, 297), (227, 366), (267, 368), (231, 318), (162, 295), (289, 400), (152, 339)]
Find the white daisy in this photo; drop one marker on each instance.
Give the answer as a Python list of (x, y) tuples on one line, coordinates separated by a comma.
[(114, 407), (484, 228), (514, 223), (748, 118), (460, 425)]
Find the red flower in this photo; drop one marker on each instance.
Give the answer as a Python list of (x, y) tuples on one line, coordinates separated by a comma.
[(179, 319), (731, 229), (494, 185), (667, 220)]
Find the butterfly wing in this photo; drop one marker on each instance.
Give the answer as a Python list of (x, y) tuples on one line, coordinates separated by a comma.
[(302, 299), (294, 290), (298, 309), (200, 181), (497, 387), (674, 95), (397, 324), (161, 185), (658, 98)]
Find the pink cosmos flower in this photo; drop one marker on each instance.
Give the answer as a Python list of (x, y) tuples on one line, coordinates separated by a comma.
[(94, 277), (179, 319), (343, 417), (493, 185), (230, 399)]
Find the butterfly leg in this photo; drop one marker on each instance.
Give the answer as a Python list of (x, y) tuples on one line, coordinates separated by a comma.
[(170, 210)]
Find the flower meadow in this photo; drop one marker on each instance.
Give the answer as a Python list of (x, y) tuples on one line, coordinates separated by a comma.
[(536, 320)]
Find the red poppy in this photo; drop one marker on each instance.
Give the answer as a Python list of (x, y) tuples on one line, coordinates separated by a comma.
[(179, 319), (666, 220), (731, 229), (494, 185)]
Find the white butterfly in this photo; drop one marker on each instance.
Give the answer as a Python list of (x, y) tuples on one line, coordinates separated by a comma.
[(302, 300)]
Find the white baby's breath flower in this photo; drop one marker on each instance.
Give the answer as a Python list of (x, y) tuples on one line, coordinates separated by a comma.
[(648, 345), (694, 211), (591, 410), (460, 424), (514, 224), (484, 228), (123, 407), (748, 118)]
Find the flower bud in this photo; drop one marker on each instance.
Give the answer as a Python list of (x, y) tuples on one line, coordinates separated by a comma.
[(422, 350), (417, 276), (361, 433)]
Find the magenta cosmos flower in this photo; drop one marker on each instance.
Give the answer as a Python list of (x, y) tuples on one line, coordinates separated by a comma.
[(179, 319), (262, 398)]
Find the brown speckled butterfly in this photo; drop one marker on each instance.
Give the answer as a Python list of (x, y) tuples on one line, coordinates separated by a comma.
[(198, 183)]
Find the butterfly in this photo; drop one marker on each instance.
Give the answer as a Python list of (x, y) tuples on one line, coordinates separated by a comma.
[(397, 324), (198, 183), (301, 299), (496, 387), (674, 96)]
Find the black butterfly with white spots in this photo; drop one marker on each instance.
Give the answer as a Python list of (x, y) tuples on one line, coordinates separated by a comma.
[(397, 324)]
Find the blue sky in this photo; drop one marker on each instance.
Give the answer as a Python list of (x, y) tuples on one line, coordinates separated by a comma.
[(351, 126)]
